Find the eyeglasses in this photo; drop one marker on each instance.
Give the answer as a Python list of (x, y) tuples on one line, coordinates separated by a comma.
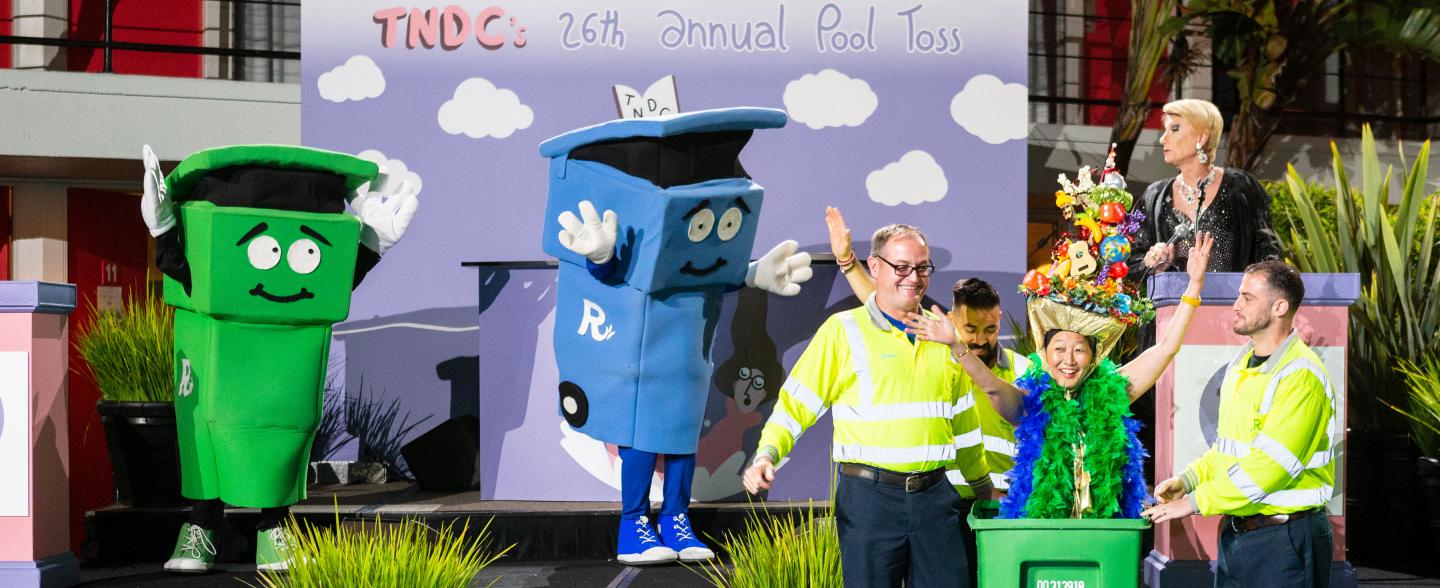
[(923, 270), (757, 381)]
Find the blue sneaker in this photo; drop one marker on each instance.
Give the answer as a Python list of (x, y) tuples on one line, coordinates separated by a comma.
[(638, 545), (675, 533)]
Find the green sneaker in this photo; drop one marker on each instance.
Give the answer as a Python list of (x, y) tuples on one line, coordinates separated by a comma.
[(194, 551), (272, 550)]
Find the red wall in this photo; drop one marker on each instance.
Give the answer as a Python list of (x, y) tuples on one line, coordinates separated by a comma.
[(1107, 45), (5, 29), (171, 22), (103, 228)]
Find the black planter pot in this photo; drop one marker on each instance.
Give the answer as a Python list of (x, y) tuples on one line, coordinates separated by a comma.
[(144, 452), (1384, 511), (1428, 469)]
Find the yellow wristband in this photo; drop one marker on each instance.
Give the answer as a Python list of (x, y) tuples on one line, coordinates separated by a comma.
[(1192, 301)]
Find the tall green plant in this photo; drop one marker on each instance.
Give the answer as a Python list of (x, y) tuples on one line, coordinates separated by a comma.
[(1424, 411), (129, 352), (407, 553), (1398, 314), (780, 552)]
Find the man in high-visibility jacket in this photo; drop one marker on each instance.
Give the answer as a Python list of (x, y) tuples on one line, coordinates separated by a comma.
[(976, 315), (1271, 469), (895, 401)]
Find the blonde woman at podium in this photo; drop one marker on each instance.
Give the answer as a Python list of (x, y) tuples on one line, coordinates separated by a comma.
[(1225, 202)]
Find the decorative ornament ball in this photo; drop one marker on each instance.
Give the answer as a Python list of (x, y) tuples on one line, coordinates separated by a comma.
[(1119, 270), (1115, 248)]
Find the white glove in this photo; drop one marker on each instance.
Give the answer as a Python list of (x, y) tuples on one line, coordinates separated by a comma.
[(384, 214), (588, 235), (780, 271), (157, 210)]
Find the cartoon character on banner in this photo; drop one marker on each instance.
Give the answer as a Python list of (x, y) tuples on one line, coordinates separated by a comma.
[(259, 258), (639, 294)]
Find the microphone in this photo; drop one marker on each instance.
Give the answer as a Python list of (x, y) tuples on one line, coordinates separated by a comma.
[(1182, 231)]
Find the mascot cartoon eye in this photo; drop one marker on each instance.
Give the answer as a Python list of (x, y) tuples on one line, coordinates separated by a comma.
[(303, 256), (701, 224), (729, 224), (264, 252)]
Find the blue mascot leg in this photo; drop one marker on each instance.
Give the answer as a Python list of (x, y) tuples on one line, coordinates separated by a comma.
[(675, 529), (679, 473), (636, 469), (638, 544)]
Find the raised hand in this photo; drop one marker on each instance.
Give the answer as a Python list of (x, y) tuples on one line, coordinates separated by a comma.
[(781, 270), (157, 209), (589, 235), (385, 214), (1199, 257), (839, 234)]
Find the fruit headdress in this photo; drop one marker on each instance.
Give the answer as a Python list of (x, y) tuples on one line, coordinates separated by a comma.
[(1083, 288)]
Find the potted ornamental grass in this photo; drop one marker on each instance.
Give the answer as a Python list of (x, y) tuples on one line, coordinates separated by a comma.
[(385, 553), (781, 550), (129, 355), (1423, 415)]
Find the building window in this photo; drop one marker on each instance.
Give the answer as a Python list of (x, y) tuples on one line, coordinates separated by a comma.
[(267, 25)]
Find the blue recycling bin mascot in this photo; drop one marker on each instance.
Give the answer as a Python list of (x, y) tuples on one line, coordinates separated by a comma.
[(640, 291)]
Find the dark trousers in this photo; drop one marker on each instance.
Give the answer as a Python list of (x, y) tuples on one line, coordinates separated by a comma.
[(1293, 555), (888, 535)]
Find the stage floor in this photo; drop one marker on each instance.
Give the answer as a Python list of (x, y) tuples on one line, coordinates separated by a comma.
[(555, 543), (539, 531)]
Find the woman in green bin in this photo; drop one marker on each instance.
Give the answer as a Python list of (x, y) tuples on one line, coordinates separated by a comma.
[(259, 258)]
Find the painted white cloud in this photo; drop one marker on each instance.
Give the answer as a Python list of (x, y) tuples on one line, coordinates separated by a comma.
[(357, 80), (479, 109), (829, 99), (915, 179), (396, 169), (991, 109)]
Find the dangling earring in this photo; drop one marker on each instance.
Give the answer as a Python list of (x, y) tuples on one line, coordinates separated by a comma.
[(1200, 149)]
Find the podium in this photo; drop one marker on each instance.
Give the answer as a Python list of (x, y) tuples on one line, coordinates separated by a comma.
[(1187, 400), (34, 443)]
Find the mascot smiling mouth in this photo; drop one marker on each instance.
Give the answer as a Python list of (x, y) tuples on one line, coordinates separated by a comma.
[(690, 267), (259, 290)]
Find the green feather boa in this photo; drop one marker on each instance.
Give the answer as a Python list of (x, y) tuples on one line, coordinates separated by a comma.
[(1098, 412)]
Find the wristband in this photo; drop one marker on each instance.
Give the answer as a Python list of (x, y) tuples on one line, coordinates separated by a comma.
[(1191, 300)]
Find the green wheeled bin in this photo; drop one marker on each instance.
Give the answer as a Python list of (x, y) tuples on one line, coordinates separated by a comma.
[(1056, 553)]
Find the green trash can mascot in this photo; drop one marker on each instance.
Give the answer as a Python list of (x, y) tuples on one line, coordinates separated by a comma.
[(260, 257)]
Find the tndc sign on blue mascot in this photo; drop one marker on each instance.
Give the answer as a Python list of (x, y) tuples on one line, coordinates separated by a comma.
[(640, 287)]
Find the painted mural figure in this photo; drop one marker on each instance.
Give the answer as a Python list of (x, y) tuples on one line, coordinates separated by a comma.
[(639, 293), (259, 258)]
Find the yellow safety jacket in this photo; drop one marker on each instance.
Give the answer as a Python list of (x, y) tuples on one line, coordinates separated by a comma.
[(896, 405), (997, 434), (1275, 443)]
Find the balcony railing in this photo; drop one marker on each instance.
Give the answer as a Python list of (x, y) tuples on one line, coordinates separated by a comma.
[(236, 33)]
